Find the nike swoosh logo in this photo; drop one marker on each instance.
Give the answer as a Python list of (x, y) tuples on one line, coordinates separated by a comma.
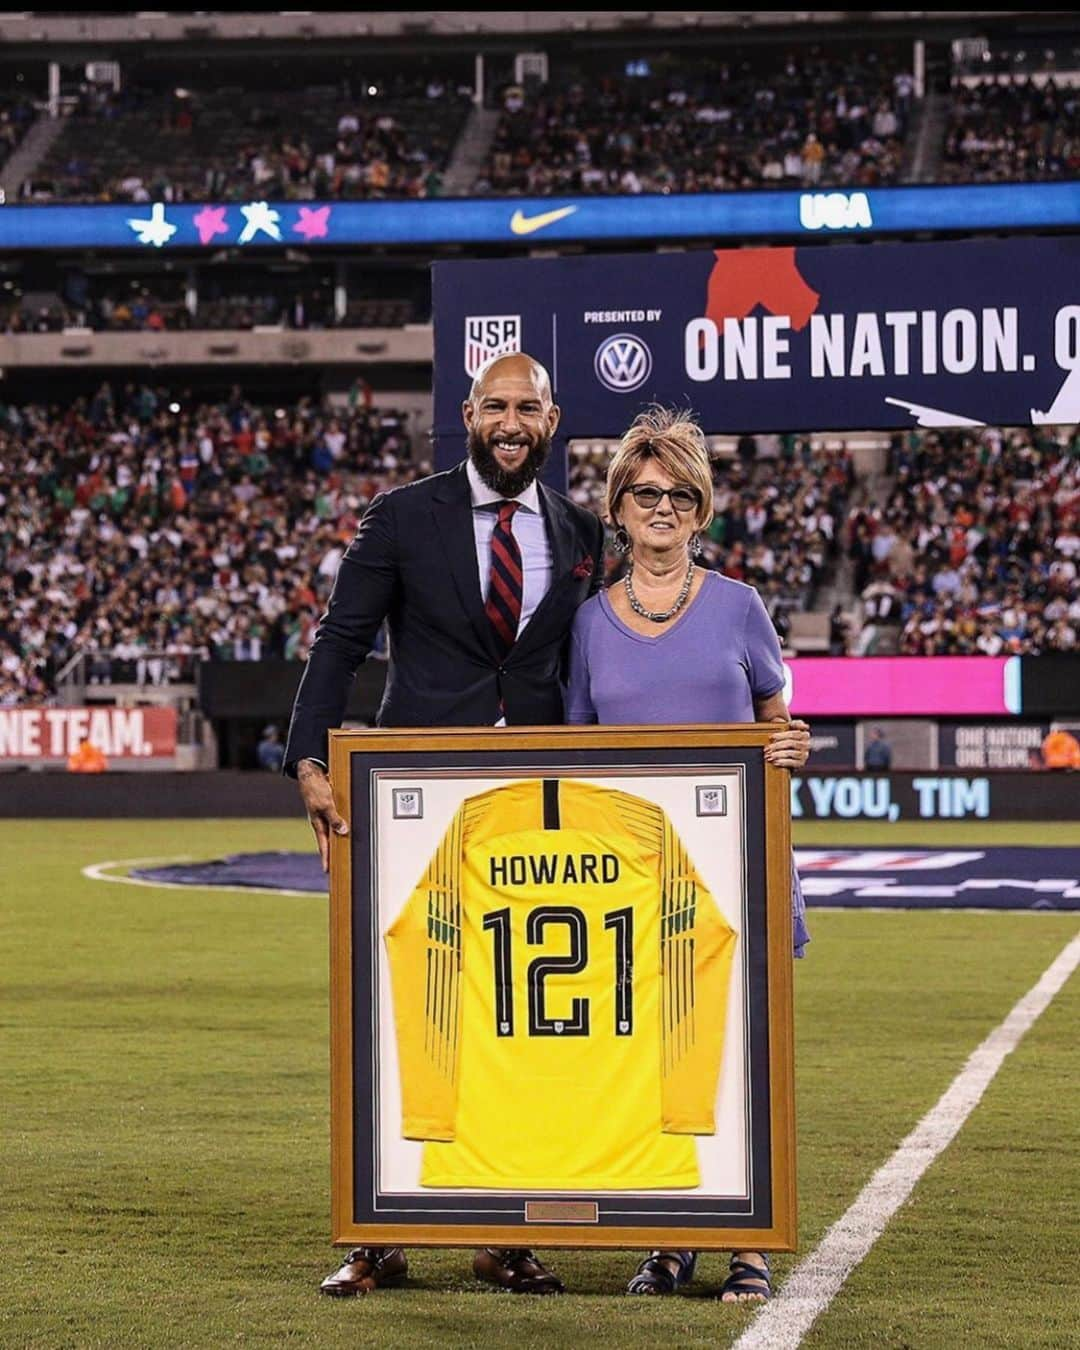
[(522, 224)]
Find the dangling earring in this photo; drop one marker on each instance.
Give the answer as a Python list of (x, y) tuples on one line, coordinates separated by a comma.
[(696, 547), (621, 542)]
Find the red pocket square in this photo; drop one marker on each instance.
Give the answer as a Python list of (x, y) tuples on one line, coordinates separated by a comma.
[(584, 568)]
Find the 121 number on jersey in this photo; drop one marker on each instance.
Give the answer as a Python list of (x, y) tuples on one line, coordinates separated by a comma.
[(620, 922)]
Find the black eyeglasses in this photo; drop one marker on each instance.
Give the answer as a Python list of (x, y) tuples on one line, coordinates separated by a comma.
[(682, 498)]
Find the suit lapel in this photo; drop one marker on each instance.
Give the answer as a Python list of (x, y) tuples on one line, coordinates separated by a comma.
[(561, 532), (452, 509)]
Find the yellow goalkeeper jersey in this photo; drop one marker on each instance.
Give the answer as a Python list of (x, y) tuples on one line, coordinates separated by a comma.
[(560, 977)]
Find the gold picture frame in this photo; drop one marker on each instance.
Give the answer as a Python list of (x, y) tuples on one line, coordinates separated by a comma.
[(726, 768)]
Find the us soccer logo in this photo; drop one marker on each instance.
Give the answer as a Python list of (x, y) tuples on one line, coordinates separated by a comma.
[(488, 336), (408, 803), (712, 801)]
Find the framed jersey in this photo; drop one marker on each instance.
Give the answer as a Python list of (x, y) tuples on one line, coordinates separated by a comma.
[(561, 989)]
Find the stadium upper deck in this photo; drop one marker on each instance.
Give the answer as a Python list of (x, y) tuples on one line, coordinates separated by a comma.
[(643, 112)]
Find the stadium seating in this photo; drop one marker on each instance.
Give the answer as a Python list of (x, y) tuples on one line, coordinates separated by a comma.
[(124, 308), (128, 528), (311, 142), (744, 117), (1011, 131), (741, 119), (976, 547), (216, 530)]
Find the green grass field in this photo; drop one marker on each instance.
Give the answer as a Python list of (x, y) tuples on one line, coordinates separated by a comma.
[(164, 1123)]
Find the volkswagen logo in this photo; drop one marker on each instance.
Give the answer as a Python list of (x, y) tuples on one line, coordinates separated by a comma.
[(622, 363)]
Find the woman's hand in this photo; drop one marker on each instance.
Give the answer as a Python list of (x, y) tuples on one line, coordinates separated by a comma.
[(790, 748)]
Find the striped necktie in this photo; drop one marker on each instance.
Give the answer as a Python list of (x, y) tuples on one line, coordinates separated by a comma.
[(504, 586)]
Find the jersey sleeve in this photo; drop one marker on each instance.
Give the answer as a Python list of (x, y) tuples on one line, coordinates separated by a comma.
[(696, 948), (424, 949)]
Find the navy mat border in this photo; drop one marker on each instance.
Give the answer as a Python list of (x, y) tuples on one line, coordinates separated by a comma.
[(635, 1210)]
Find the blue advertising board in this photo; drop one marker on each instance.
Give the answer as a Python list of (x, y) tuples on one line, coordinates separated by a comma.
[(527, 221), (956, 334)]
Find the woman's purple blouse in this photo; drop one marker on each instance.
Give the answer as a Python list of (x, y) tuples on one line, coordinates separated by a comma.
[(710, 665)]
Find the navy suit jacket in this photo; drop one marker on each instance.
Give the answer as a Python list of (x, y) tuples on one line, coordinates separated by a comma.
[(413, 562)]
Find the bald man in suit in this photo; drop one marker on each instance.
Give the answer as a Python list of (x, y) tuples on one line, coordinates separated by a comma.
[(478, 573)]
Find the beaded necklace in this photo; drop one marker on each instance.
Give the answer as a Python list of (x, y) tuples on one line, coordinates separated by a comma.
[(655, 615)]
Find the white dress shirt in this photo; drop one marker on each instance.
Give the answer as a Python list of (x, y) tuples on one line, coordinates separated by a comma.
[(529, 531)]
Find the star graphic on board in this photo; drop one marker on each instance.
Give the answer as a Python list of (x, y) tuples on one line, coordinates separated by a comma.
[(156, 230), (259, 216), (313, 224), (209, 222)]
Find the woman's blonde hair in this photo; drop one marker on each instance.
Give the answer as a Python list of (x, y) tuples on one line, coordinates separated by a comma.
[(674, 440)]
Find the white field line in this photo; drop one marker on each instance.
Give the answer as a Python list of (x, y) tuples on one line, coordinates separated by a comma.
[(817, 1279), (99, 872), (925, 909)]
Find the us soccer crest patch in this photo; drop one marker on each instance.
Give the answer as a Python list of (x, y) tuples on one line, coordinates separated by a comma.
[(488, 336)]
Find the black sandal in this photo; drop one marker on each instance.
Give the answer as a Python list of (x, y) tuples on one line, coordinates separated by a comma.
[(747, 1278), (655, 1276)]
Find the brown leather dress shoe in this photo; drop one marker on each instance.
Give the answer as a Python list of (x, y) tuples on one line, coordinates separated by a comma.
[(516, 1269), (365, 1269)]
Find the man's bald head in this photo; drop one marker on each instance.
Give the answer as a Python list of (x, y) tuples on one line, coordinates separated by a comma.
[(511, 419), (516, 365)]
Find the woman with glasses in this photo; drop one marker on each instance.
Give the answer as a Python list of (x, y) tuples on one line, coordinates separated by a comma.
[(673, 642)]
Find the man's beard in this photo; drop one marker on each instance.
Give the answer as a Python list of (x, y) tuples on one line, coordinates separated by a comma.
[(507, 482)]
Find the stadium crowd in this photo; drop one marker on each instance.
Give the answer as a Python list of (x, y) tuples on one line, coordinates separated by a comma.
[(816, 117), (1018, 130), (133, 311), (746, 118), (141, 521), (140, 310), (233, 144), (977, 547), (138, 522), (135, 522)]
